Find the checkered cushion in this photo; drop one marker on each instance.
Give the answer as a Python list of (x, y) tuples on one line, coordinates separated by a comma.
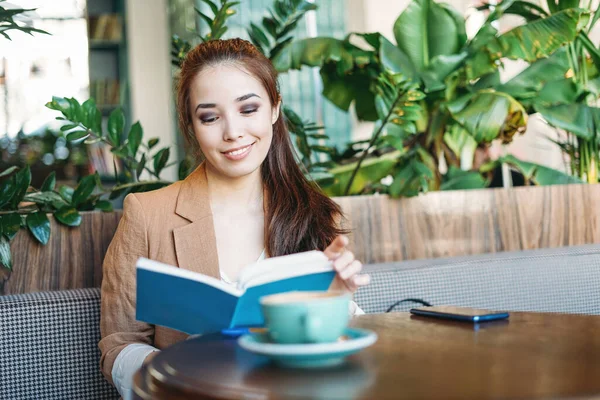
[(565, 280), (49, 346)]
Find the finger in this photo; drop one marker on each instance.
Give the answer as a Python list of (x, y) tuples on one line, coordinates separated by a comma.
[(336, 247), (354, 268), (343, 261), (361, 280)]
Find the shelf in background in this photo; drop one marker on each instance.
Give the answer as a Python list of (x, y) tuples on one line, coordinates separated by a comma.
[(96, 44)]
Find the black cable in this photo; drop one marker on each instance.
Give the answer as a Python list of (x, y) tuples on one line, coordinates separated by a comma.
[(423, 302)]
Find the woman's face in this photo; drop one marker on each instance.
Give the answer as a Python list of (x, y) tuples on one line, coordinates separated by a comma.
[(232, 119)]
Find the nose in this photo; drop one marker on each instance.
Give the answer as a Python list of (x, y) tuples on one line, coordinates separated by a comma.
[(232, 129)]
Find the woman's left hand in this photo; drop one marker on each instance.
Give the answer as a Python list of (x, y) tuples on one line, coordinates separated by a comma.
[(348, 269)]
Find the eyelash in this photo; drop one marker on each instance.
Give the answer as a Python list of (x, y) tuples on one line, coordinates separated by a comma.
[(247, 111)]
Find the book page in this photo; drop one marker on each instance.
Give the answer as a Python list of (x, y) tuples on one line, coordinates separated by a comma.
[(283, 267), (156, 266)]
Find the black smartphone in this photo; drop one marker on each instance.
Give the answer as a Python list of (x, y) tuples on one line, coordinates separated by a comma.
[(460, 313)]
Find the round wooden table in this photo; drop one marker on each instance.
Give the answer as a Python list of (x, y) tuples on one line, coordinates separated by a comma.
[(529, 356)]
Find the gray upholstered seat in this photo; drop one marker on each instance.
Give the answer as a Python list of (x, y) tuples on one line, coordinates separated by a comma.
[(565, 280), (49, 346)]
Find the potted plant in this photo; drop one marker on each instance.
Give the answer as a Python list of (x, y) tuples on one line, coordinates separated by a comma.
[(464, 105)]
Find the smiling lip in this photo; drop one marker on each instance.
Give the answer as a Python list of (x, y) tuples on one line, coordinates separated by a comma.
[(238, 153)]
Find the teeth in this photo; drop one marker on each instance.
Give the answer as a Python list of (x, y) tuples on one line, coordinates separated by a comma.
[(237, 152)]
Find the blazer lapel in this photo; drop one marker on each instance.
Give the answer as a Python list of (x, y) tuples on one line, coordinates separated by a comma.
[(195, 243)]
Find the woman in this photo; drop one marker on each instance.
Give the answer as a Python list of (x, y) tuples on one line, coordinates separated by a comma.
[(246, 201)]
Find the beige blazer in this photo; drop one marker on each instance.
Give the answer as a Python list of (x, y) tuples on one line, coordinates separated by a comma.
[(173, 225)]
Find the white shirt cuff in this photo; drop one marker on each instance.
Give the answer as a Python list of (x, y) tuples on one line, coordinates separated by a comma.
[(129, 360), (354, 309)]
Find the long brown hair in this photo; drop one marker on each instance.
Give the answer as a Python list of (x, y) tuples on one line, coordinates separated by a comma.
[(299, 217)]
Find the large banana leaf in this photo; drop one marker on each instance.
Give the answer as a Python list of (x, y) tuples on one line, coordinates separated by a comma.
[(489, 115), (457, 139), (531, 80), (539, 38), (372, 170), (342, 90), (394, 59), (315, 52), (539, 174), (427, 29), (457, 179), (535, 40), (579, 119)]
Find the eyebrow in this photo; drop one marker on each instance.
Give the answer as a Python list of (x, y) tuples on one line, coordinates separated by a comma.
[(213, 105)]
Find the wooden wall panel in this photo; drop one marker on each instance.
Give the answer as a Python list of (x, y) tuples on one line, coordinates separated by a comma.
[(72, 258), (454, 223), (438, 224)]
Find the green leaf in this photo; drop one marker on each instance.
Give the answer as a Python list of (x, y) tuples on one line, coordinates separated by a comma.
[(39, 226), (539, 174), (406, 180), (5, 256), (425, 30), (10, 224), (60, 104), (206, 18), (185, 167), (84, 189), (135, 138), (540, 38), (457, 179), (68, 127), (323, 179), (66, 193), (77, 135), (322, 149), (49, 182), (590, 47), (313, 52), (47, 197), (394, 59), (259, 36), (68, 216), (7, 191), (140, 166), (270, 25), (488, 115), (8, 171), (318, 136), (439, 68), (343, 90), (104, 205), (531, 80), (152, 142), (116, 123), (22, 182), (457, 138), (579, 119), (212, 6), (160, 160), (372, 170)]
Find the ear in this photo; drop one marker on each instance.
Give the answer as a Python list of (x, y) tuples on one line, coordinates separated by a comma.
[(275, 113)]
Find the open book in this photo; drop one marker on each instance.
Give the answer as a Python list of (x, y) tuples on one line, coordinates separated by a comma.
[(195, 303)]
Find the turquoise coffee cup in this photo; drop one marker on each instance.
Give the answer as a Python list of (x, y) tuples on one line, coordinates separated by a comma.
[(306, 317)]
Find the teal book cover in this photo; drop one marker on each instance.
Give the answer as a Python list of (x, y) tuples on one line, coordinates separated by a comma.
[(197, 304)]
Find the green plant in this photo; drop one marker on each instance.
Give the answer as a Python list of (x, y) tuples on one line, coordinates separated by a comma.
[(24, 206), (7, 21), (464, 105), (564, 87)]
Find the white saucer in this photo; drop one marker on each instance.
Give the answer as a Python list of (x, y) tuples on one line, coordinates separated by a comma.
[(309, 355)]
